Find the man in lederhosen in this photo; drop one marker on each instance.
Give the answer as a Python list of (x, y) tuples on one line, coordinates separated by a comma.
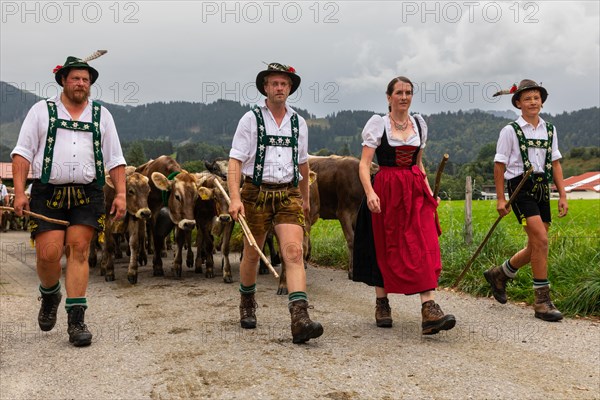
[(68, 141), (270, 149), (529, 141)]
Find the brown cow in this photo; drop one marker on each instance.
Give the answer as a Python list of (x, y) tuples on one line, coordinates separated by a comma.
[(173, 209), (219, 167), (340, 193), (212, 207), (133, 226)]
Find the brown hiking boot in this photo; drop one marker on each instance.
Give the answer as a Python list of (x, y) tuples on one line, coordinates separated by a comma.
[(248, 311), (383, 313), (48, 308), (78, 332), (303, 329), (543, 306), (497, 280), (434, 319)]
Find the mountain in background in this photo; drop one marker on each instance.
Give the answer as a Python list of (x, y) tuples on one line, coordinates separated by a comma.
[(461, 134)]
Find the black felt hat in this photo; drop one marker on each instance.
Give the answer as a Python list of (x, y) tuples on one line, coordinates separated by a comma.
[(280, 69)]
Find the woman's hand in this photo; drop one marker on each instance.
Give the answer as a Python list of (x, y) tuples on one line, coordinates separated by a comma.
[(373, 203)]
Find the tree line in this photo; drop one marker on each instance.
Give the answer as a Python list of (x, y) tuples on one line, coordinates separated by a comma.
[(193, 132)]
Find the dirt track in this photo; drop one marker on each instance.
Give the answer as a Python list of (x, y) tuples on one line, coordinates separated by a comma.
[(180, 339)]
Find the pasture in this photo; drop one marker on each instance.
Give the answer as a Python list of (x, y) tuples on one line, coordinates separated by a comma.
[(574, 252)]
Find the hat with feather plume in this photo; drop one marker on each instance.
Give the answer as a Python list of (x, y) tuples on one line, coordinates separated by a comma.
[(276, 68), (525, 84), (61, 71)]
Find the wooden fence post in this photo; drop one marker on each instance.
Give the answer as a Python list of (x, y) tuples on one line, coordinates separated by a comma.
[(468, 228)]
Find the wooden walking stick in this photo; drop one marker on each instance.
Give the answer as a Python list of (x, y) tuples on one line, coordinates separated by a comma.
[(438, 175), (510, 201), (39, 216), (436, 190), (248, 233)]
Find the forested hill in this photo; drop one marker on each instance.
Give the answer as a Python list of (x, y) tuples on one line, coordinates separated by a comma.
[(462, 134)]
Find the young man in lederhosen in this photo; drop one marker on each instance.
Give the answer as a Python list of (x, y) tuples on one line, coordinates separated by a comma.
[(270, 149), (529, 141), (68, 141)]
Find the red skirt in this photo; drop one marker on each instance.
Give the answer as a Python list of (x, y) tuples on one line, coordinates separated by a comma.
[(405, 233)]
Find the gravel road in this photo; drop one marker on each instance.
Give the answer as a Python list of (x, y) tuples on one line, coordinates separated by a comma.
[(180, 339)]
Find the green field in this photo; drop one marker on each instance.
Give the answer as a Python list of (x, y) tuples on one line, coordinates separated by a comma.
[(574, 259)]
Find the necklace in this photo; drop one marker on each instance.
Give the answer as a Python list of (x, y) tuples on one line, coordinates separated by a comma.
[(399, 126)]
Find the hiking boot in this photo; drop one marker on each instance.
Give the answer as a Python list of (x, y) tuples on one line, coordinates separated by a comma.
[(303, 329), (383, 313), (434, 319), (77, 330), (543, 306), (248, 311), (47, 314), (497, 280)]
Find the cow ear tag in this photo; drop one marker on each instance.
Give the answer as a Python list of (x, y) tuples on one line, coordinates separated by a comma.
[(204, 193)]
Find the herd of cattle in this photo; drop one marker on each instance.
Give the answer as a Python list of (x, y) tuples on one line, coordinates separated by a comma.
[(162, 197)]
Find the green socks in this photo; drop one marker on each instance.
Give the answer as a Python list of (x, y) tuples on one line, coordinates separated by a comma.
[(294, 296), (52, 290), (248, 289), (75, 301)]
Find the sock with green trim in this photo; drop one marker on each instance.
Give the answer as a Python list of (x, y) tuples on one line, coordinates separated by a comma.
[(294, 296), (540, 283), (508, 269), (75, 301), (248, 289), (51, 290)]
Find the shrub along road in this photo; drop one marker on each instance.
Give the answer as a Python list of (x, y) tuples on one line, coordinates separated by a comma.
[(177, 339)]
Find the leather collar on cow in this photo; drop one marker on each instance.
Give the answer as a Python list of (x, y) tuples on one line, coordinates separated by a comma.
[(165, 193)]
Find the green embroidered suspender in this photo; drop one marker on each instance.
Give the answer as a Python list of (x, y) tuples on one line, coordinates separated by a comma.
[(264, 140), (56, 123), (524, 144)]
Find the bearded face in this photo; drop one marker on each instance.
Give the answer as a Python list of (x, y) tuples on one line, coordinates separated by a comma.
[(76, 85)]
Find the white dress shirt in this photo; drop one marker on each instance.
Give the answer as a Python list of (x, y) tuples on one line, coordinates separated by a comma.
[(279, 167), (375, 126), (73, 160), (508, 153)]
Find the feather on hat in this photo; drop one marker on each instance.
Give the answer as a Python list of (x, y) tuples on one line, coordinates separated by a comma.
[(525, 84)]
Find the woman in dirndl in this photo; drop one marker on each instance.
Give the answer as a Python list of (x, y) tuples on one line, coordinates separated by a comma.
[(396, 246)]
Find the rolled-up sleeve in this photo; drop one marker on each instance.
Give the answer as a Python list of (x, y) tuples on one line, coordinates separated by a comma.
[(504, 145), (28, 141), (373, 131), (242, 139), (111, 146)]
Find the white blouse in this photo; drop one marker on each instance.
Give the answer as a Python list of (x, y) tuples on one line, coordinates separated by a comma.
[(376, 125)]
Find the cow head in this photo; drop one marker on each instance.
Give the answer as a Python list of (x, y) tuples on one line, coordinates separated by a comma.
[(218, 167), (182, 194), (210, 191), (137, 190)]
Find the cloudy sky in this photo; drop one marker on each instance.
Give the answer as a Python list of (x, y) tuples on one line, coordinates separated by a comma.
[(457, 53)]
